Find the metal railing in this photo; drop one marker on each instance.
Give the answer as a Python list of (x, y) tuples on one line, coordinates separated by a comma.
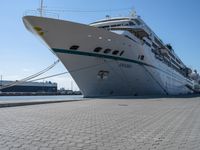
[(44, 14)]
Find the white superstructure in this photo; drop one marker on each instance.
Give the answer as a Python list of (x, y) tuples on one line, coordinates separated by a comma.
[(114, 57)]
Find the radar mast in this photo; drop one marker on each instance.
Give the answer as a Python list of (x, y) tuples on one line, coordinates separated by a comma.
[(133, 13), (41, 9)]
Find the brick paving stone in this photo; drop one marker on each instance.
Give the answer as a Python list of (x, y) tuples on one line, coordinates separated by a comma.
[(103, 124)]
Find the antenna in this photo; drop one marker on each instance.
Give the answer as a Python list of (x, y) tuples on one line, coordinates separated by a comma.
[(133, 13), (107, 16), (41, 9)]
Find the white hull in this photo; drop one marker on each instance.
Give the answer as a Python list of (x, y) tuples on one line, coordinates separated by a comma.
[(124, 75)]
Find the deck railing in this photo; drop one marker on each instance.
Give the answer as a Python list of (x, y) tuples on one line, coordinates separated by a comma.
[(39, 14)]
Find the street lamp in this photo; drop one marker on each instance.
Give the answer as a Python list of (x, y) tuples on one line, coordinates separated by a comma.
[(1, 83)]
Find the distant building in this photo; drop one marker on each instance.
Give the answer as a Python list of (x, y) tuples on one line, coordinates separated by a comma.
[(27, 87), (62, 91)]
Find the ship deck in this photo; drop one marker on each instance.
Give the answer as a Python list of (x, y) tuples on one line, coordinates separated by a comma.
[(132, 124)]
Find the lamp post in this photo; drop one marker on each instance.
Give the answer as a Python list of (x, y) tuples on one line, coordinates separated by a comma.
[(1, 83), (41, 8), (72, 85)]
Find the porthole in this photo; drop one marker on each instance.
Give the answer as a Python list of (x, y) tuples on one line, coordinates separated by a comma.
[(142, 57), (74, 47), (98, 49), (115, 52), (107, 51), (122, 52)]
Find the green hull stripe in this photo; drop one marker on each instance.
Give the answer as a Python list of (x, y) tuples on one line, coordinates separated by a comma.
[(75, 52), (100, 56)]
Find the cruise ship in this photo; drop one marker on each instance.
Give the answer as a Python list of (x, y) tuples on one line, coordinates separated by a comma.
[(118, 56)]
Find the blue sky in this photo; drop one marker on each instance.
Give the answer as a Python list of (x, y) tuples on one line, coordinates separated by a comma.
[(21, 54)]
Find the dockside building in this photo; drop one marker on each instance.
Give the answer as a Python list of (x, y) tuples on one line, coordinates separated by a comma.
[(29, 87)]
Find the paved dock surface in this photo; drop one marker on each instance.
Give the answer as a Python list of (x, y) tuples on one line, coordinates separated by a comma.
[(103, 124)]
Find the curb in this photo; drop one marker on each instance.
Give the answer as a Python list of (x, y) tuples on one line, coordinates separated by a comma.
[(17, 104)]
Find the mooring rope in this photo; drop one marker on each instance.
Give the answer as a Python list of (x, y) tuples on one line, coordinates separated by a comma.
[(30, 77)]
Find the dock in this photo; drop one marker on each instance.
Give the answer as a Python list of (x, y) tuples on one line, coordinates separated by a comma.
[(103, 124)]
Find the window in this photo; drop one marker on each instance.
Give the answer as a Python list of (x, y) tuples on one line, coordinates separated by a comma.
[(142, 57), (122, 52), (137, 21), (155, 46), (148, 44), (74, 47), (104, 27), (131, 24), (113, 25), (115, 52), (98, 49), (107, 51)]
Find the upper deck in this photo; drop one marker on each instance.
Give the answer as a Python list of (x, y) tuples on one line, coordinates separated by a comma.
[(139, 29)]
